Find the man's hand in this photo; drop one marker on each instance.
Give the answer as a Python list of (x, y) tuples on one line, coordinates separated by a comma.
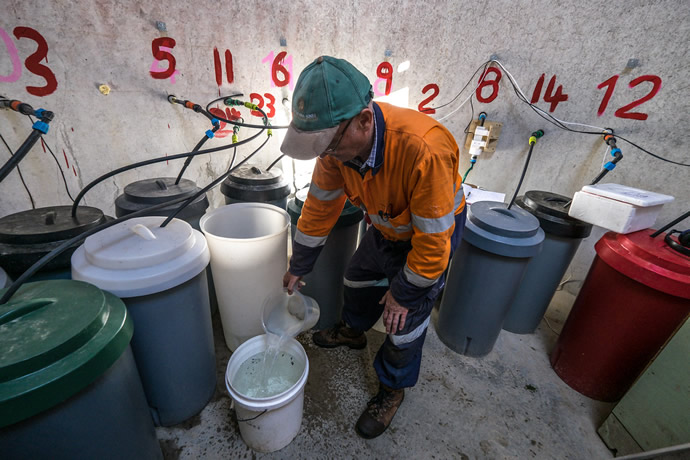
[(394, 314), (292, 282)]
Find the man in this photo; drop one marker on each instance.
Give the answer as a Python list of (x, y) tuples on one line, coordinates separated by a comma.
[(401, 167)]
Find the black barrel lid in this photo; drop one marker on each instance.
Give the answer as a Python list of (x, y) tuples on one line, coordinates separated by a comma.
[(553, 217), (507, 232), (148, 192), (250, 183), (49, 224), (350, 215)]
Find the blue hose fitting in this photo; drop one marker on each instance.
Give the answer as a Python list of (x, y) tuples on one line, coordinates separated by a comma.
[(210, 134), (42, 126), (615, 151), (215, 122), (39, 112), (610, 166)]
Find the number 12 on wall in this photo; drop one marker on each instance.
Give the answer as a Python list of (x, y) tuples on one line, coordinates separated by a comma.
[(625, 111)]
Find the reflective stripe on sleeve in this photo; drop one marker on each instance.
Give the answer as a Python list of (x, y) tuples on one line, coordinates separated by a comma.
[(324, 195), (410, 336), (310, 241), (416, 279), (435, 225), (458, 197)]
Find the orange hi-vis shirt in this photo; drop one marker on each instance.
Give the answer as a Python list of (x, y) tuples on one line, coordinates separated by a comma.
[(413, 193)]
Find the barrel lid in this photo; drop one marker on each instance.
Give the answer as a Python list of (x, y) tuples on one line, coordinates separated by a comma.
[(252, 183), (148, 192), (56, 337), (553, 217), (493, 227), (253, 175), (49, 224), (647, 260), (350, 214), (137, 257)]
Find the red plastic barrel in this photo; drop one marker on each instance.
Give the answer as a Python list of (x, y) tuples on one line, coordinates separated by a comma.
[(636, 294)]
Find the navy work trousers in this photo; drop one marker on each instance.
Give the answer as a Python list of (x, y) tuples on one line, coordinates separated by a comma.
[(367, 278)]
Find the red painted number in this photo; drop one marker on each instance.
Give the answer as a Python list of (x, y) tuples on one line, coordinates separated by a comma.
[(161, 55), (33, 62), (280, 64), (229, 114), (260, 102), (278, 68), (625, 111), (385, 72), (553, 98), (434, 92), (229, 71), (483, 82), (610, 84)]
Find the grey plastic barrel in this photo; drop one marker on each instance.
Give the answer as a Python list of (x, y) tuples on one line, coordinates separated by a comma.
[(27, 236), (160, 274), (251, 184), (546, 269), (149, 192), (325, 283), (485, 274)]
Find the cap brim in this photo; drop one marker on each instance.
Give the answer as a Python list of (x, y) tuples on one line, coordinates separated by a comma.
[(305, 145)]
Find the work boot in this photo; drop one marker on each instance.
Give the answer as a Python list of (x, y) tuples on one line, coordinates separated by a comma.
[(379, 412), (340, 335)]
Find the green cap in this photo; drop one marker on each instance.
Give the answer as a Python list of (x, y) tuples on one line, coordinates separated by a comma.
[(328, 91), (56, 338)]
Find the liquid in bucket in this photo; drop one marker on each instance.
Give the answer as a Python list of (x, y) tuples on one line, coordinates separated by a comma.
[(267, 373)]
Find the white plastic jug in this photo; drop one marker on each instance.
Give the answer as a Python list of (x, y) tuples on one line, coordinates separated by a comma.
[(248, 243), (288, 315)]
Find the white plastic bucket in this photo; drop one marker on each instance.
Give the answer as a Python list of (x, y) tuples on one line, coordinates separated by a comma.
[(268, 424), (248, 243)]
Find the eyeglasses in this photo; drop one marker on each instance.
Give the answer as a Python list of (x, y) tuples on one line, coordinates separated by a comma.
[(334, 144)]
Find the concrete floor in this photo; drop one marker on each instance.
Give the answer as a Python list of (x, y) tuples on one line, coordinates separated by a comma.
[(507, 405)]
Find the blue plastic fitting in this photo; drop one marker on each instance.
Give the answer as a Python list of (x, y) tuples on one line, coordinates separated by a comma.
[(482, 116), (609, 166), (42, 126), (215, 121), (615, 151), (39, 112), (210, 134)]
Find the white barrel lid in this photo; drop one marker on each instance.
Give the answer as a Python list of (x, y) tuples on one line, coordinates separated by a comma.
[(634, 196), (137, 257)]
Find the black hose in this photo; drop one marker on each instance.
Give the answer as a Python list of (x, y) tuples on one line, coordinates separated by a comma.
[(524, 170), (157, 160), (196, 148), (244, 125), (670, 224), (276, 161), (210, 186)]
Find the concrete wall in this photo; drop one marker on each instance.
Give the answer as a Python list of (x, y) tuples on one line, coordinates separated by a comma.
[(582, 43)]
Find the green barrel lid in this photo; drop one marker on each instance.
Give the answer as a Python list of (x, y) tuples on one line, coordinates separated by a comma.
[(56, 338), (350, 215)]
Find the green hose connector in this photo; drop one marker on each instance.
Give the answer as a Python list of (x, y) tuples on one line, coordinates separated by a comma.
[(232, 102), (251, 106)]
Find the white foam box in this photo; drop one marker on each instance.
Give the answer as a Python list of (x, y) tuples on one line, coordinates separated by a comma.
[(617, 207)]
